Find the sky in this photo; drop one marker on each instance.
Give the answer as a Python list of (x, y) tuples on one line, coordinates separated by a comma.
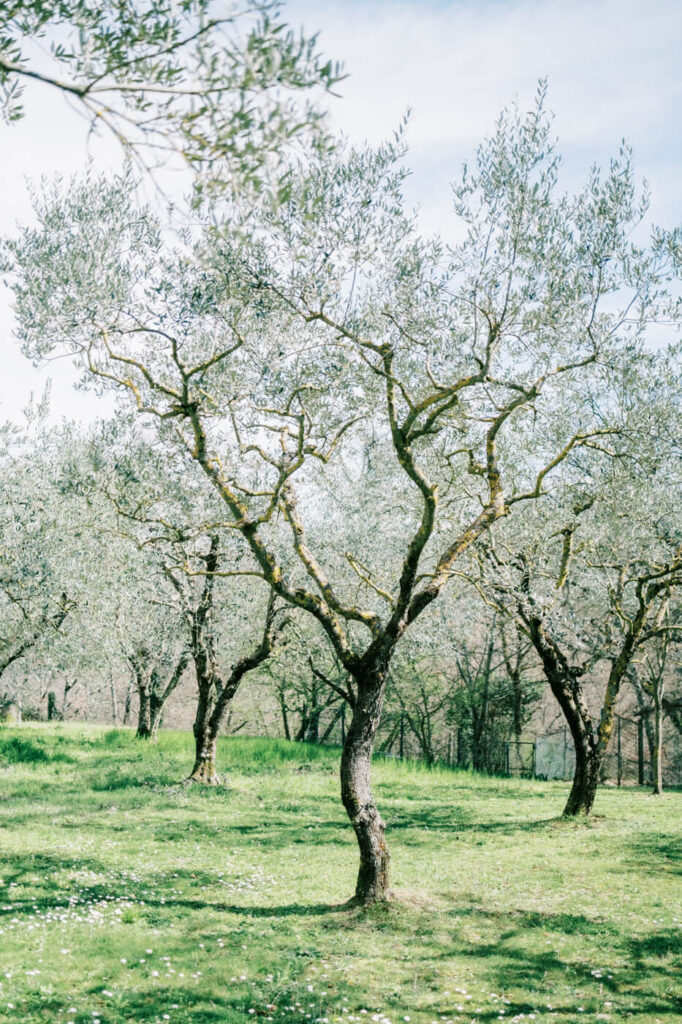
[(613, 69)]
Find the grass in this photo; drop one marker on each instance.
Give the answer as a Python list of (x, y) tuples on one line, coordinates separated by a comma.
[(128, 896)]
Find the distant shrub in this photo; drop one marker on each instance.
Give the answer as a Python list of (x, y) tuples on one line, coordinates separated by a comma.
[(32, 713)]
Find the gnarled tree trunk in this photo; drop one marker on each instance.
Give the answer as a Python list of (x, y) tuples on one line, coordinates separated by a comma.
[(588, 762), (205, 738), (373, 876), (589, 749)]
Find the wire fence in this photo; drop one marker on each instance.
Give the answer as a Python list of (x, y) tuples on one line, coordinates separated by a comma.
[(551, 755)]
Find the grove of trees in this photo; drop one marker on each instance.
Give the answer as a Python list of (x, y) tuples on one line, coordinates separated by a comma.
[(376, 472)]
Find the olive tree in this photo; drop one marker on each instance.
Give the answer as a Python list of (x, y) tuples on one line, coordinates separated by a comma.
[(275, 355), (174, 597), (652, 676), (592, 581), (39, 582)]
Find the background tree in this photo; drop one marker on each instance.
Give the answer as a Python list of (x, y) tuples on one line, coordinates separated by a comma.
[(182, 609), (650, 678), (592, 588), (40, 578)]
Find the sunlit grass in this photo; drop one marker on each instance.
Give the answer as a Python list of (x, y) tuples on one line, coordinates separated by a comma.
[(128, 895)]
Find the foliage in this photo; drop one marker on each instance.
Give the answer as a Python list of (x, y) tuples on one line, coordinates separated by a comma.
[(221, 85)]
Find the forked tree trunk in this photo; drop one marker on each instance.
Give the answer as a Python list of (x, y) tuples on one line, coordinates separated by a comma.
[(215, 694), (373, 876)]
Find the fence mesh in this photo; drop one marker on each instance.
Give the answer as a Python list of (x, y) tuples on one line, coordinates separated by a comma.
[(552, 755)]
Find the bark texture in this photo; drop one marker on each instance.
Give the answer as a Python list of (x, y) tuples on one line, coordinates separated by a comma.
[(373, 874), (206, 743)]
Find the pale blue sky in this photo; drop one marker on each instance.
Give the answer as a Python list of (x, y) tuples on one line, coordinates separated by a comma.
[(613, 69)]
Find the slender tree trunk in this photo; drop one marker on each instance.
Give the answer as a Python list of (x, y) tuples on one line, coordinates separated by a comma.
[(373, 876), (144, 715), (657, 765), (127, 707), (517, 760), (313, 730), (285, 719), (330, 728), (645, 710), (303, 725), (114, 703)]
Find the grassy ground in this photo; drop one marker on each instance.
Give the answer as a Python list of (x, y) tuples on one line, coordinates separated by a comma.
[(127, 896)]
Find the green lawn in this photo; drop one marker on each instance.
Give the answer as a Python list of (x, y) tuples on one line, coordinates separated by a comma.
[(129, 896)]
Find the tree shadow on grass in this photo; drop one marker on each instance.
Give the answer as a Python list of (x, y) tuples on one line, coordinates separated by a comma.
[(17, 869), (658, 853), (457, 821), (643, 984)]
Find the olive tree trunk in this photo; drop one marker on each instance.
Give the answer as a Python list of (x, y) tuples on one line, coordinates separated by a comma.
[(588, 762), (373, 875), (144, 715), (205, 738)]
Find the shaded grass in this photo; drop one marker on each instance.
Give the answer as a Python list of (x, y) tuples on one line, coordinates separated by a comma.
[(129, 896)]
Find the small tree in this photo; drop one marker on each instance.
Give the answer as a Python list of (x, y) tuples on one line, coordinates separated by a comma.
[(592, 594), (650, 677), (168, 611)]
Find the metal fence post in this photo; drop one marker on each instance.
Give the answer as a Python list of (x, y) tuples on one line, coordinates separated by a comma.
[(640, 751), (402, 735), (534, 758)]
